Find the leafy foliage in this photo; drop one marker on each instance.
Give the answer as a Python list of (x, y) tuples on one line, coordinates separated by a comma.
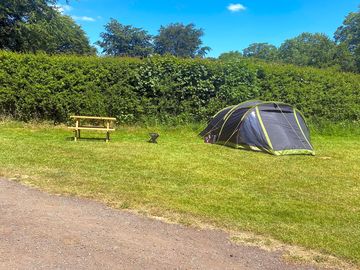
[(180, 40), (32, 26), (229, 56), (348, 34), (308, 49), (263, 51), (349, 31), (125, 40), (167, 89), (317, 50), (344, 59)]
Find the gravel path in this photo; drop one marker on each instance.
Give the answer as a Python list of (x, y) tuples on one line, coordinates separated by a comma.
[(43, 231)]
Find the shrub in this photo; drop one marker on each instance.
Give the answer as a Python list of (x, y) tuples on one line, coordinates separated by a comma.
[(167, 89)]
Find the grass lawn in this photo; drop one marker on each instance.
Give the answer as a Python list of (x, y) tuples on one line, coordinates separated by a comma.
[(309, 201)]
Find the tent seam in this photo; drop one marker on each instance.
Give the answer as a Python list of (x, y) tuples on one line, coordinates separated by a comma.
[(263, 128), (302, 132), (227, 116)]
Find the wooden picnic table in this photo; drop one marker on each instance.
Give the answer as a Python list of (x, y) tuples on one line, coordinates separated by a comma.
[(107, 125)]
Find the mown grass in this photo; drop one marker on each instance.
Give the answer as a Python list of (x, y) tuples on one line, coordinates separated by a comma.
[(309, 201)]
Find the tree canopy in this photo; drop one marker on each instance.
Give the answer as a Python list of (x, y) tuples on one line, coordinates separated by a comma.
[(317, 50), (263, 51), (37, 25), (348, 35), (232, 55), (308, 49), (31, 26), (349, 32), (180, 40), (125, 40)]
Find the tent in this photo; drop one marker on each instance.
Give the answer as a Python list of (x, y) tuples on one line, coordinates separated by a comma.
[(273, 127)]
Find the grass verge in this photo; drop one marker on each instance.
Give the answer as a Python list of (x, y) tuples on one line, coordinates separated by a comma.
[(309, 201)]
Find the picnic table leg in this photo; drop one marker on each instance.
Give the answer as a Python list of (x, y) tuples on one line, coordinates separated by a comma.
[(76, 130), (107, 132)]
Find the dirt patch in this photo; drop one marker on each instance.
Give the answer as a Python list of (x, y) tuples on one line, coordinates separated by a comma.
[(43, 231), (292, 253)]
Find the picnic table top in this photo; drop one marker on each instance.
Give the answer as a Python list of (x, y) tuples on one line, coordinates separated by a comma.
[(93, 117)]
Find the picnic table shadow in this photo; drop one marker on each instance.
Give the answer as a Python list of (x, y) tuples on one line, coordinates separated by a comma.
[(89, 139)]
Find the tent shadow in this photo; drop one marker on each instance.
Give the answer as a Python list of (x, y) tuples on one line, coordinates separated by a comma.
[(263, 151)]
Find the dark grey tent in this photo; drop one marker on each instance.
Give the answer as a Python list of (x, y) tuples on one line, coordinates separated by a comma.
[(274, 127)]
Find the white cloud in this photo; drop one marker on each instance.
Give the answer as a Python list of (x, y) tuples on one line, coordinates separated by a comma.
[(63, 8), (236, 7), (83, 18)]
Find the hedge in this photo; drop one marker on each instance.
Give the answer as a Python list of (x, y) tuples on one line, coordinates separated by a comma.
[(165, 88)]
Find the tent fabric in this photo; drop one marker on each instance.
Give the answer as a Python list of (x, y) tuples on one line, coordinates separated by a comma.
[(216, 122), (273, 127)]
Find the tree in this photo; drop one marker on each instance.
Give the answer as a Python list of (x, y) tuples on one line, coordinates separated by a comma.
[(264, 51), (125, 40), (348, 35), (15, 18), (349, 32), (308, 49), (30, 26), (344, 59), (60, 35), (229, 56), (180, 40)]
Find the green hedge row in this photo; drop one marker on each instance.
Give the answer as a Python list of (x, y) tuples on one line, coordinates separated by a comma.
[(165, 88)]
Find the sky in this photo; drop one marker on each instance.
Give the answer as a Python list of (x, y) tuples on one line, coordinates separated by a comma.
[(228, 25)]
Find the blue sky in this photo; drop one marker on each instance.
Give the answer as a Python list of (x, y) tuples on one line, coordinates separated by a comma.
[(228, 25)]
